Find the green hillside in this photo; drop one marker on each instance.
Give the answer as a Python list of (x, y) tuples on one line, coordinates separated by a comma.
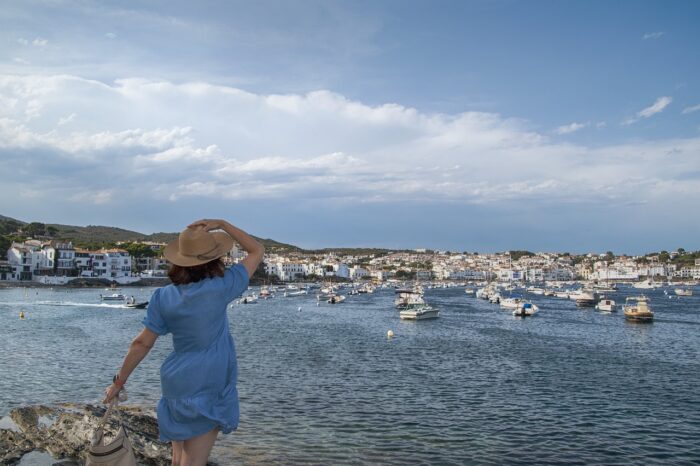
[(96, 235)]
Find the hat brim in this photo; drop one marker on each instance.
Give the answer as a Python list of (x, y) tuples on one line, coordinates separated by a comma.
[(224, 244)]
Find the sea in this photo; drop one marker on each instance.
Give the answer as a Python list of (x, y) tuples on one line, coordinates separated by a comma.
[(324, 384)]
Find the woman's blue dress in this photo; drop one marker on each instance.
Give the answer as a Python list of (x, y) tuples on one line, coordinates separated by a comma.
[(198, 379)]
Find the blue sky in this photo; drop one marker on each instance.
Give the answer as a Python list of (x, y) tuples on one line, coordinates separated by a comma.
[(466, 125)]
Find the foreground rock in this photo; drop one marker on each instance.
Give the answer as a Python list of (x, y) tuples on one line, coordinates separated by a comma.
[(64, 431)]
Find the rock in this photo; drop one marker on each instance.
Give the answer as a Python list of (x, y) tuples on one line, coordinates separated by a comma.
[(65, 430)]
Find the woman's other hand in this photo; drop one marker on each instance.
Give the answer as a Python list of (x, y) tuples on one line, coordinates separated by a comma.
[(208, 224)]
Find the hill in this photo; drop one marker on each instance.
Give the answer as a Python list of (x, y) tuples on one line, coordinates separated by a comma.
[(96, 235)]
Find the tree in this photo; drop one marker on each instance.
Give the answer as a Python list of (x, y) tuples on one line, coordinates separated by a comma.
[(680, 251), (34, 229), (51, 231)]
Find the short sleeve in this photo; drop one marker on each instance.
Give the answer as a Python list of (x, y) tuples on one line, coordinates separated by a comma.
[(235, 281), (154, 319)]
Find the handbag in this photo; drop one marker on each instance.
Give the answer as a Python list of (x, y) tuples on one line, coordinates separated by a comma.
[(118, 452)]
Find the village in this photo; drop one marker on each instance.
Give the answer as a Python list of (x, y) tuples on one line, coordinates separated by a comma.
[(57, 262)]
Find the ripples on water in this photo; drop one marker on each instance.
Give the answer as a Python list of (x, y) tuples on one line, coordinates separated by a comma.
[(325, 385)]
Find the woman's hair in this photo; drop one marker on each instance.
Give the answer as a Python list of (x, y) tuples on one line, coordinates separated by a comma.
[(184, 275)]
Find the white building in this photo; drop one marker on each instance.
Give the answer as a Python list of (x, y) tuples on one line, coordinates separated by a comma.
[(357, 273)]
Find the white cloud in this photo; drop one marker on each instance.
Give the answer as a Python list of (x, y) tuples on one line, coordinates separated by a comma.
[(21, 61), (22, 41), (67, 119), (570, 128), (111, 35), (138, 139), (39, 42), (657, 107), (691, 109), (652, 35)]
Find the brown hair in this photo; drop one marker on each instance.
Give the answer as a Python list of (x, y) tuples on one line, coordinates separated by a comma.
[(184, 275)]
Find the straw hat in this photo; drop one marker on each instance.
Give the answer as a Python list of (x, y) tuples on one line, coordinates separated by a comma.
[(195, 246)]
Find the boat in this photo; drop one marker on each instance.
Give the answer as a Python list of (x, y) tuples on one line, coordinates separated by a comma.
[(495, 298), (511, 303), (585, 298), (535, 290), (419, 312), (336, 299), (683, 292), (250, 299), (136, 305), (562, 294), (407, 297), (112, 297), (637, 309), (265, 293), (645, 285), (525, 309), (470, 291), (606, 305)]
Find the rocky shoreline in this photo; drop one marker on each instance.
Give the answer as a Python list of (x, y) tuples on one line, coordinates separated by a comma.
[(64, 431)]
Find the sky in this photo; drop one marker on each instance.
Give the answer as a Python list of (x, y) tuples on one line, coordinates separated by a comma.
[(471, 125)]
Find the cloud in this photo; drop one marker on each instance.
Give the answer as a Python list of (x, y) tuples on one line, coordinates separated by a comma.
[(111, 35), (22, 41), (691, 109), (571, 128), (21, 61), (652, 35), (142, 139), (39, 42), (67, 119), (657, 107)]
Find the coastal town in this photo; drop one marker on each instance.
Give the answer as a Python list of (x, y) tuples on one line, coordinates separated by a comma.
[(56, 262)]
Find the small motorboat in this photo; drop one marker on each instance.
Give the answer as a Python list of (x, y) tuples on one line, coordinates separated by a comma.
[(526, 309), (336, 299), (250, 299), (683, 292), (606, 305), (135, 305)]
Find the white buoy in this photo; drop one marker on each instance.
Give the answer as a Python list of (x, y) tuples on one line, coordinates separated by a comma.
[(299, 308), (390, 334)]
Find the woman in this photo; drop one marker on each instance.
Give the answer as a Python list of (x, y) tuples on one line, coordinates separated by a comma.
[(198, 379)]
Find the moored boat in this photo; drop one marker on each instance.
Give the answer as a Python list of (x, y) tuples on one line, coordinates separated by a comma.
[(606, 305), (336, 299), (419, 312), (683, 292), (637, 309), (525, 309), (112, 297)]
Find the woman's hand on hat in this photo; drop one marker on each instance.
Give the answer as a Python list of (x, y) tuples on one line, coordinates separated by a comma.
[(207, 224)]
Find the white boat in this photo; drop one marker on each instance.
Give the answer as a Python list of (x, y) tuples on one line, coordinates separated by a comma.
[(525, 309), (562, 294), (511, 303), (419, 312), (250, 299), (606, 305), (470, 291), (112, 297), (683, 292), (495, 298), (408, 297), (645, 285), (585, 298), (336, 299), (265, 293), (535, 290)]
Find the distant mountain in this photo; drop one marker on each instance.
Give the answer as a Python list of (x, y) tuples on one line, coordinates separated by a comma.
[(93, 235)]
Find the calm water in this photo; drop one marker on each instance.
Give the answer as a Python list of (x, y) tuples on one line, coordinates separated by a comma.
[(325, 385)]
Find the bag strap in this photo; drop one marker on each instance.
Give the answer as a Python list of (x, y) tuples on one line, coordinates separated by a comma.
[(114, 404)]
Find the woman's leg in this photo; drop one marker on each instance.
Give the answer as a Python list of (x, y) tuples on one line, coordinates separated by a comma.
[(177, 453), (195, 451)]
